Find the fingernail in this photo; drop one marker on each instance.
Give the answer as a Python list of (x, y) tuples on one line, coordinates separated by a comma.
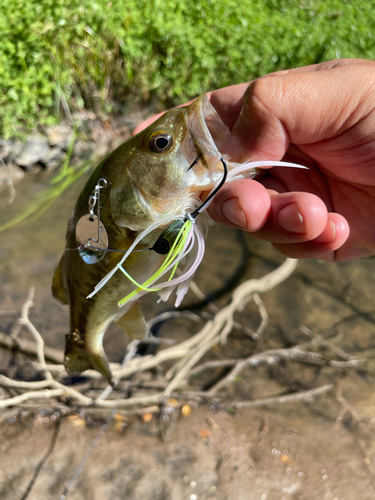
[(232, 212), (328, 235), (291, 220)]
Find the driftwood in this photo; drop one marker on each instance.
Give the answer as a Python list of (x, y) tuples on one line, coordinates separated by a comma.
[(186, 355)]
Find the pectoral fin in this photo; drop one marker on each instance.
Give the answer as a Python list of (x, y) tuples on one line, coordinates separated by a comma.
[(134, 323), (58, 290)]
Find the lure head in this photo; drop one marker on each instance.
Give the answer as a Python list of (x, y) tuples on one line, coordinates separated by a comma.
[(150, 174), (168, 237)]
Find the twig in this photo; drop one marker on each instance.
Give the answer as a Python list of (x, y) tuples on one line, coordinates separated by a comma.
[(263, 315), (46, 394), (140, 400), (272, 356), (353, 363), (173, 314), (222, 323), (212, 365), (305, 396), (60, 388), (29, 347), (325, 342), (346, 407), (24, 320), (202, 297), (8, 382)]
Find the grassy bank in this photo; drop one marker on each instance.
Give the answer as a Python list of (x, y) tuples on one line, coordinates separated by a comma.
[(60, 55)]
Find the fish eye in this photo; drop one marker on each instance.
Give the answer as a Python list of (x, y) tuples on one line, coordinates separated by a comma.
[(160, 142)]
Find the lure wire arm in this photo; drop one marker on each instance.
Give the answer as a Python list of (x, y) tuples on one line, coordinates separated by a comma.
[(214, 193), (95, 200), (162, 246)]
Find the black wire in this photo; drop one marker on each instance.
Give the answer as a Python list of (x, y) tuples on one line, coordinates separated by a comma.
[(194, 163), (199, 209)]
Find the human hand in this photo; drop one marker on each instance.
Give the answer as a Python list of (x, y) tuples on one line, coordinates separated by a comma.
[(322, 116)]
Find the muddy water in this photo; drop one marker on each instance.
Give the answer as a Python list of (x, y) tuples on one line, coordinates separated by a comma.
[(318, 449)]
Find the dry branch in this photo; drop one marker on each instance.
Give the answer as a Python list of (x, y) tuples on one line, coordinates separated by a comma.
[(305, 396), (186, 355), (24, 320), (29, 347)]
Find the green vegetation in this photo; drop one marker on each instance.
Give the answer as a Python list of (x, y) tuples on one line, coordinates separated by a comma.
[(57, 55)]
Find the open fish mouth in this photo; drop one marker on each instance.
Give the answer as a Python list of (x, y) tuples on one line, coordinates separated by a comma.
[(207, 134)]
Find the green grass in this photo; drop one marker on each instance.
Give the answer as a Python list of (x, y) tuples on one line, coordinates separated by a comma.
[(103, 55)]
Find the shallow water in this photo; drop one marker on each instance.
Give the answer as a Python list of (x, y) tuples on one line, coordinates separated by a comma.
[(324, 448)]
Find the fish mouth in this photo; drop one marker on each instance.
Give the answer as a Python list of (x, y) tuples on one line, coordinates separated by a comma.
[(208, 132)]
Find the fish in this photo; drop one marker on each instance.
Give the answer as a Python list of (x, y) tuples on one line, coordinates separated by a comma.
[(156, 174)]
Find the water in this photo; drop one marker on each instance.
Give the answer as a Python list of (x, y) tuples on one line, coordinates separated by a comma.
[(323, 448)]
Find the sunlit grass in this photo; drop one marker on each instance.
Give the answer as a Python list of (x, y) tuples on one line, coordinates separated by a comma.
[(62, 55)]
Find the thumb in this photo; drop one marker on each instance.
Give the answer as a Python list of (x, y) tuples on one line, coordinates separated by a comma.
[(301, 107)]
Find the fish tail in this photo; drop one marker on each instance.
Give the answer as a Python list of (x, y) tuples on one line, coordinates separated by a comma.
[(79, 358)]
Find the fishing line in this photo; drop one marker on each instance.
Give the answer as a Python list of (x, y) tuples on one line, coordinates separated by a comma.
[(131, 353), (88, 453), (90, 247)]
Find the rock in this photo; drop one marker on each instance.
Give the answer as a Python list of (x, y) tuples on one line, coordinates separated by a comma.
[(54, 158), (34, 151), (14, 148), (60, 136), (83, 149), (4, 149)]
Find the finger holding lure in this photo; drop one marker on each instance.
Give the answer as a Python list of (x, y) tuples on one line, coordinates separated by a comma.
[(135, 220)]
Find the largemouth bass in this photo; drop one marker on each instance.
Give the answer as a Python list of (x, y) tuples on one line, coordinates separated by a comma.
[(160, 172)]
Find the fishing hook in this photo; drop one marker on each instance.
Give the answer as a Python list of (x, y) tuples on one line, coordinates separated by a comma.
[(214, 192)]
